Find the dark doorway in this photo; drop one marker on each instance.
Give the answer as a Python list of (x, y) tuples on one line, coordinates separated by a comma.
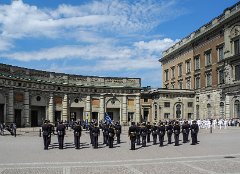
[(17, 117), (110, 115), (57, 116), (1, 113), (95, 116), (145, 114), (73, 116), (34, 118)]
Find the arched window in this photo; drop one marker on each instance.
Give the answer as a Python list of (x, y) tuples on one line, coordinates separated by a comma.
[(237, 108), (178, 111), (221, 111), (209, 110)]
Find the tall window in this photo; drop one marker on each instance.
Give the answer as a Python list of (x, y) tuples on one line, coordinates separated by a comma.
[(166, 75), (155, 112), (197, 111), (180, 84), (188, 67), (237, 46), (180, 70), (237, 108), (173, 72), (188, 83), (221, 110), (220, 53), (197, 82), (208, 79), (178, 111), (221, 76), (237, 72), (173, 85), (197, 63), (208, 58)]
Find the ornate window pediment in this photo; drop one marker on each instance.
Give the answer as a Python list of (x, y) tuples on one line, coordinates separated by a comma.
[(235, 31)]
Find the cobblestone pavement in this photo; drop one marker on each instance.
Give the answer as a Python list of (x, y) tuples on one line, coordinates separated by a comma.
[(216, 153)]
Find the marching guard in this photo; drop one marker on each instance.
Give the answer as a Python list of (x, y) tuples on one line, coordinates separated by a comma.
[(61, 133), (118, 129), (111, 132), (132, 135), (161, 133), (45, 133), (176, 129), (95, 133), (144, 132), (169, 130), (154, 133), (77, 131)]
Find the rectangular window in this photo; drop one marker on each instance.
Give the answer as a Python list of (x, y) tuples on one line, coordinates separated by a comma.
[(145, 100), (208, 58), (173, 85), (237, 46), (237, 72), (166, 104), (188, 67), (220, 53), (197, 82), (221, 77), (180, 70), (166, 115), (197, 63), (188, 83), (208, 79), (156, 108), (190, 104), (189, 116), (173, 72), (166, 75), (180, 84)]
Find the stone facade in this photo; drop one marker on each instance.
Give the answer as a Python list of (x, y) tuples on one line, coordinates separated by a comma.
[(28, 97), (210, 61)]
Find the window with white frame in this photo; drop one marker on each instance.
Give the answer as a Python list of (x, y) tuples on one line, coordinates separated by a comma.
[(197, 82), (208, 58), (221, 76), (197, 63), (188, 67), (188, 83), (220, 53), (208, 79), (237, 46), (180, 70), (180, 84), (166, 75), (173, 72)]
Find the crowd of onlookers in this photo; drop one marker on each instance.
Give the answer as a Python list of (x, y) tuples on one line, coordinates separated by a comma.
[(9, 127)]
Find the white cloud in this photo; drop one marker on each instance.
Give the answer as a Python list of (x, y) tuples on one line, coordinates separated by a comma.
[(155, 45), (20, 20), (5, 44)]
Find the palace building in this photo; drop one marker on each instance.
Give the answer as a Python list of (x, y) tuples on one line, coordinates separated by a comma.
[(207, 61), (28, 97)]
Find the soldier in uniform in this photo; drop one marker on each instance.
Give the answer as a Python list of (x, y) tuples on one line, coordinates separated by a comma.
[(169, 130), (176, 129), (138, 134), (118, 129), (132, 135), (90, 127), (161, 133), (194, 130), (77, 131), (95, 133), (106, 134), (61, 133), (144, 132), (111, 133), (149, 130), (185, 131), (45, 133), (154, 133)]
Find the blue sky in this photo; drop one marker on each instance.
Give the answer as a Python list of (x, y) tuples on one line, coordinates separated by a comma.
[(117, 38)]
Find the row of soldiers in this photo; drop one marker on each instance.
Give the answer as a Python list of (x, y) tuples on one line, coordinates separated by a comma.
[(144, 131), (109, 132)]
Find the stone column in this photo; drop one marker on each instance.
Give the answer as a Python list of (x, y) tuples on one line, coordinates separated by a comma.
[(26, 109), (88, 108), (227, 107), (65, 107), (10, 118), (124, 110), (102, 108), (50, 108), (137, 106)]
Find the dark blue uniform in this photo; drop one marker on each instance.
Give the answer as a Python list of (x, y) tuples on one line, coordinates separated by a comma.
[(61, 133)]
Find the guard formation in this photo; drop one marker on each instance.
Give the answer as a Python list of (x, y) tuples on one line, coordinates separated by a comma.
[(139, 134), (143, 130)]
